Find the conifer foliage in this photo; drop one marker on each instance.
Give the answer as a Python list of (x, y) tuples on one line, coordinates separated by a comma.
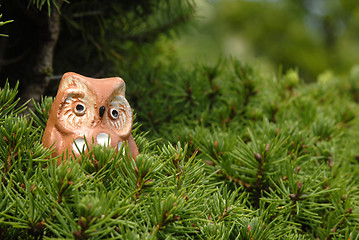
[(226, 152)]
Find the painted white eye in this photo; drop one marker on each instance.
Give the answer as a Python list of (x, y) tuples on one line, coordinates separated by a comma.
[(79, 109), (113, 113)]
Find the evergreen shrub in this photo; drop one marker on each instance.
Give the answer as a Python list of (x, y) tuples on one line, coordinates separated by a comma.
[(226, 152)]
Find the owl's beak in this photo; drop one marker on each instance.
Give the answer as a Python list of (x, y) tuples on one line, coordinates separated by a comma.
[(102, 111)]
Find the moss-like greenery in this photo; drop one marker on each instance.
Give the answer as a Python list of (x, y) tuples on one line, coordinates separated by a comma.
[(226, 152)]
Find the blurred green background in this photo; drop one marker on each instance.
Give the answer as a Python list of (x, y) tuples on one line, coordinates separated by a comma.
[(107, 38), (312, 35)]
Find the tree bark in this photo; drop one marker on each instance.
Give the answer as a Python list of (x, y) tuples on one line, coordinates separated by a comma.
[(27, 55)]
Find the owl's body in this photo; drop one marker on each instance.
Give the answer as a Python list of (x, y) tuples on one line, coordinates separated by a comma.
[(91, 109)]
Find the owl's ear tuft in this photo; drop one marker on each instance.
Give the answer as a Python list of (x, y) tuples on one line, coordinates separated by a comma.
[(72, 80), (121, 88)]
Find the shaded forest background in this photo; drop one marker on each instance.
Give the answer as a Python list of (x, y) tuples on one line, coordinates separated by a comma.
[(102, 38)]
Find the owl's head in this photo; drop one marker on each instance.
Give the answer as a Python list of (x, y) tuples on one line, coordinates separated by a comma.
[(91, 109)]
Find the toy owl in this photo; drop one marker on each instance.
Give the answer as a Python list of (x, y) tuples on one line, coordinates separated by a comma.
[(91, 109)]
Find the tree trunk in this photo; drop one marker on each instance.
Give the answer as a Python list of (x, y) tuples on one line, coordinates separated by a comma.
[(43, 66), (27, 55)]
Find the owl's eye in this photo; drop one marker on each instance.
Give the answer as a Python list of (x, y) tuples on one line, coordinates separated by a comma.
[(80, 109), (113, 113)]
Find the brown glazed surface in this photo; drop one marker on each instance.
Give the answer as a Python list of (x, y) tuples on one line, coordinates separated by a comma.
[(91, 109)]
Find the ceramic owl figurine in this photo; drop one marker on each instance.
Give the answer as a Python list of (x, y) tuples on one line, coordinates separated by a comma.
[(91, 109)]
